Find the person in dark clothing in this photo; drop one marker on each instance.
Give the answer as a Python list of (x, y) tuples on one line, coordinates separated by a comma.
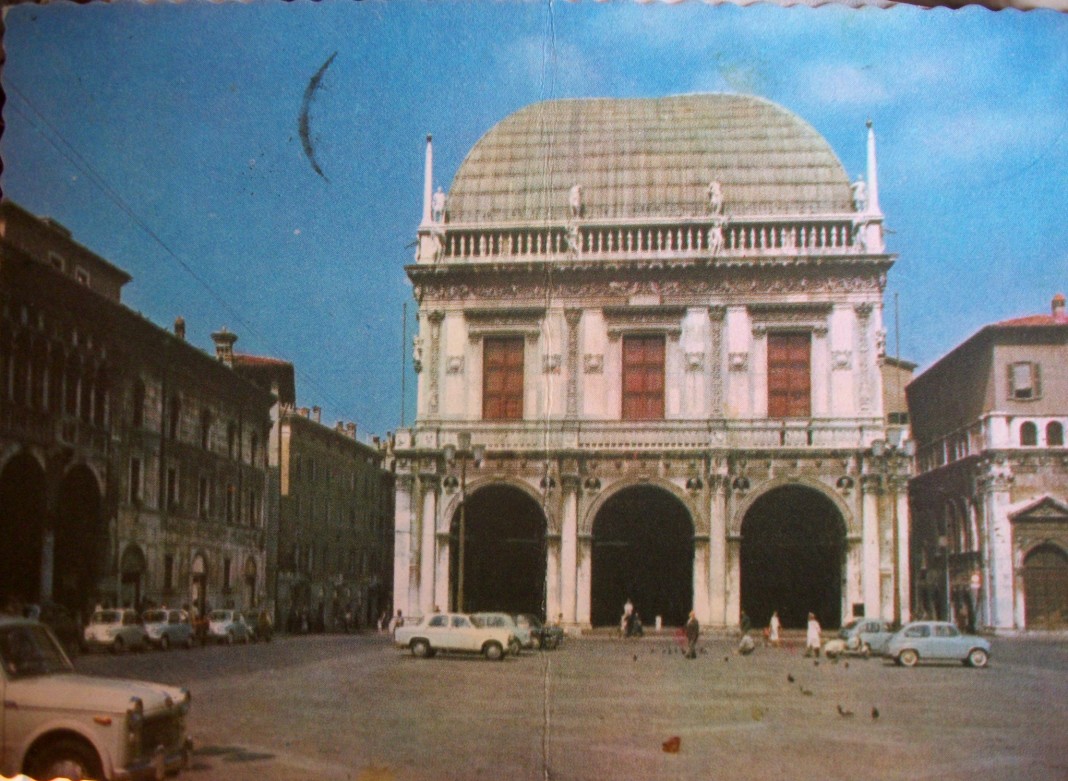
[(693, 631)]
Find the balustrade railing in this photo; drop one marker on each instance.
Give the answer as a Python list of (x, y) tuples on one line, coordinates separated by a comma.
[(592, 241)]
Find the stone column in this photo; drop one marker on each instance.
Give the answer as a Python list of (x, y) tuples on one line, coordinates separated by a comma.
[(427, 558), (901, 575), (402, 540), (585, 580), (717, 570), (997, 597), (569, 561), (701, 606), (871, 487), (733, 608), (441, 577)]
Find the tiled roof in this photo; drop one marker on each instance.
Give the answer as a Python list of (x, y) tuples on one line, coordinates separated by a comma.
[(648, 157), (258, 360)]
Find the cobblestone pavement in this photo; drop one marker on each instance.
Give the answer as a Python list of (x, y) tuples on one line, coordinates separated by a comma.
[(353, 707)]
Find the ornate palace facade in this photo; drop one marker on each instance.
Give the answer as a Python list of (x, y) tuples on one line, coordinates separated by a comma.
[(649, 350)]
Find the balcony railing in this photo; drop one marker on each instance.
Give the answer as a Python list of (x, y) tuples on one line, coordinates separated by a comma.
[(677, 239)]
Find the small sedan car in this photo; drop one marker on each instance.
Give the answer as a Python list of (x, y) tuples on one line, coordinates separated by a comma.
[(228, 626), (63, 725), (861, 637), (541, 635), (453, 633), (117, 630), (167, 628), (937, 641)]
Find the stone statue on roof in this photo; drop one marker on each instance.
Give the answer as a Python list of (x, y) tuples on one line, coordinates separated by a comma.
[(715, 239), (715, 197), (437, 206), (574, 200), (860, 194)]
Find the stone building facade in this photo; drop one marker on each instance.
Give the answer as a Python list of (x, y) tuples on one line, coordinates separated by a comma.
[(649, 368), (132, 464), (990, 500)]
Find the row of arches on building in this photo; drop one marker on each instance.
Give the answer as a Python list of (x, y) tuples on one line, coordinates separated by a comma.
[(792, 555)]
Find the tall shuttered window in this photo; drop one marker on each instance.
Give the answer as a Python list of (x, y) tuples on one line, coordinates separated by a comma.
[(789, 375), (643, 377), (502, 378)]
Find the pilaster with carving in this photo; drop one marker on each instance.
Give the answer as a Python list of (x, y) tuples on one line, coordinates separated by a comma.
[(435, 319), (573, 317), (716, 315), (864, 363)]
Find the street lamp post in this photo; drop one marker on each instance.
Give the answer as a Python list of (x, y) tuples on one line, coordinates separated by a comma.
[(464, 452)]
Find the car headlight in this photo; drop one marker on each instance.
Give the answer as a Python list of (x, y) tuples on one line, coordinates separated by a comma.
[(135, 719)]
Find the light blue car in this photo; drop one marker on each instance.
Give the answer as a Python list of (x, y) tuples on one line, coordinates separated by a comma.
[(866, 636), (937, 641)]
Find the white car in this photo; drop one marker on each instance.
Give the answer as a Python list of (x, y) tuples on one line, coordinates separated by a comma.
[(454, 633), (228, 626), (506, 621), (59, 724), (168, 628), (117, 630)]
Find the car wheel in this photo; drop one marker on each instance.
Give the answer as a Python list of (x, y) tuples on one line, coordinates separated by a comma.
[(65, 759), (514, 648), (164, 643), (118, 646), (493, 651), (421, 649), (865, 650), (978, 658), (908, 657), (535, 642)]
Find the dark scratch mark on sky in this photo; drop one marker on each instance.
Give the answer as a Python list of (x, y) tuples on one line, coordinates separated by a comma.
[(305, 133)]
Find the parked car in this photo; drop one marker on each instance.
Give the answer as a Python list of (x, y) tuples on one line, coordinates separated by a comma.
[(454, 633), (541, 635), (64, 725), (505, 621), (64, 624), (117, 630), (228, 626), (260, 626), (861, 637), (168, 628), (937, 641)]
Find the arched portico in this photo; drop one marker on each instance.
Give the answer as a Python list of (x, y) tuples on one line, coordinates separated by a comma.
[(642, 541), (80, 538), (22, 526), (792, 557)]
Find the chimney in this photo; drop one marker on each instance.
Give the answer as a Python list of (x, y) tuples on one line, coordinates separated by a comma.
[(179, 327), (224, 346), (1058, 306), (350, 429), (304, 412), (317, 414)]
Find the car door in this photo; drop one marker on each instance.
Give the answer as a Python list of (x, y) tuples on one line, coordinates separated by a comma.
[(462, 634), (945, 642)]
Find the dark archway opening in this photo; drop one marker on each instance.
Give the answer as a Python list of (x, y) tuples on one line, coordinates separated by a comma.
[(504, 552), (1046, 587), (80, 541), (793, 547), (22, 513), (642, 551)]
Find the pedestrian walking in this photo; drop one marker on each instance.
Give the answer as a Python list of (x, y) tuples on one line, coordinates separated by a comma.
[(773, 628), (812, 636), (693, 631)]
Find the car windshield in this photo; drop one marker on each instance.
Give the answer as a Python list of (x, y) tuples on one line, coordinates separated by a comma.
[(28, 650), (107, 617), (155, 616)]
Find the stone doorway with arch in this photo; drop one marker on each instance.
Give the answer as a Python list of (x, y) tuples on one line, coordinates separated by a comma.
[(22, 517), (132, 569), (504, 552), (1045, 576), (793, 557), (80, 539), (642, 550)]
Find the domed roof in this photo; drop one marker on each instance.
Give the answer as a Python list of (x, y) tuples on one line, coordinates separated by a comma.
[(648, 157)]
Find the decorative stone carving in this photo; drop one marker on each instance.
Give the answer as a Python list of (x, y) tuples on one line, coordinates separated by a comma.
[(631, 319), (715, 197), (574, 201), (550, 363), (593, 363), (738, 362), (860, 194), (437, 206), (417, 353), (695, 362), (880, 343), (842, 360), (454, 364)]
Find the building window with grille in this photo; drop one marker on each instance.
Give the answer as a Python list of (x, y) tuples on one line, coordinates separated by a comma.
[(643, 377), (135, 481), (1025, 381), (168, 572), (171, 498), (231, 495), (203, 498), (502, 378), (205, 430), (789, 375), (175, 420)]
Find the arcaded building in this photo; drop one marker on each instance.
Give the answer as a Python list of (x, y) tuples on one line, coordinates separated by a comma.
[(649, 364), (990, 498), (132, 464)]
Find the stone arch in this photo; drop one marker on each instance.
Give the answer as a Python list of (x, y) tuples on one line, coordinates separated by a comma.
[(793, 556), (23, 506), (452, 500), (80, 536), (642, 543), (504, 530), (849, 518), (697, 517)]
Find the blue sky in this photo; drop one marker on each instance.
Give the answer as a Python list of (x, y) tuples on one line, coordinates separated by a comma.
[(166, 138)]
